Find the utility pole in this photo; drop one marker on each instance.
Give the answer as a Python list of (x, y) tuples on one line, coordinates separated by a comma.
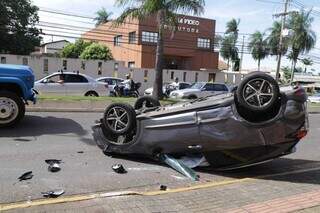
[(284, 14), (242, 49)]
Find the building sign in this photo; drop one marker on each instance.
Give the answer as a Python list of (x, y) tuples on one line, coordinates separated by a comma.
[(192, 25)]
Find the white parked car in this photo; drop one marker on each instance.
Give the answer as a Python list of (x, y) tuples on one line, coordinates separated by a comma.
[(111, 81), (69, 83), (199, 90), (167, 88), (314, 98)]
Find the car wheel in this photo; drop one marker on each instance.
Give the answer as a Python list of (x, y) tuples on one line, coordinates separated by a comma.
[(192, 97), (119, 118), (146, 102), (91, 94), (258, 92), (12, 108)]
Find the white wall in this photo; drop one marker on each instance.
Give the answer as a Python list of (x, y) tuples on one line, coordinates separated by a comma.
[(108, 69)]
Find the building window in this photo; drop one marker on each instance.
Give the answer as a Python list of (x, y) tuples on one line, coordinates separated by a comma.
[(132, 37), (25, 61), (204, 43), (65, 64), (131, 64), (212, 77), (196, 77), (117, 40), (45, 65), (83, 65), (172, 75), (149, 37), (145, 75), (99, 68), (3, 60), (184, 76)]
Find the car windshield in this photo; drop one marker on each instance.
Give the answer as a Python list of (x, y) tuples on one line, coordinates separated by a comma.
[(198, 85)]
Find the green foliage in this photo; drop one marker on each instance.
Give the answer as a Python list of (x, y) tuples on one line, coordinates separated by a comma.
[(96, 52), (258, 47), (274, 39), (18, 34), (287, 73), (74, 50), (102, 16)]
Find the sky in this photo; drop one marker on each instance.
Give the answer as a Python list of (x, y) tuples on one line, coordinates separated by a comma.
[(253, 14)]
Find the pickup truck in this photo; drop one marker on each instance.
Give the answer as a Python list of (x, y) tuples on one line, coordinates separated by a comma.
[(16, 89)]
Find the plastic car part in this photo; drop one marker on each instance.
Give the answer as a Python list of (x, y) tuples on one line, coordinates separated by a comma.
[(193, 161), (52, 161), (179, 166), (53, 193), (118, 168), (119, 118), (258, 92), (26, 176), (54, 167), (146, 102)]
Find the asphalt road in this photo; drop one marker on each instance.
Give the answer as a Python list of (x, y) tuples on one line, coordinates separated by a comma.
[(43, 136)]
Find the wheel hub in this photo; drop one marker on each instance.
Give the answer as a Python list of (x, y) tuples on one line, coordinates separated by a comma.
[(258, 93), (117, 119), (7, 108)]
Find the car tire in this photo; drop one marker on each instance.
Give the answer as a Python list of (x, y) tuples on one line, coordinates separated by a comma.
[(91, 94), (192, 97), (10, 102), (119, 118), (258, 92), (146, 101)]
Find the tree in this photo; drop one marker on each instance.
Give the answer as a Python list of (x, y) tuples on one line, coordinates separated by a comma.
[(258, 47), (74, 50), (274, 39), (166, 13), (228, 50), (231, 37), (302, 38), (287, 73), (18, 34), (102, 16), (96, 52), (306, 62)]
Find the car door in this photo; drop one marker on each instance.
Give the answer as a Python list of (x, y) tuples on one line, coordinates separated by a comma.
[(52, 85), (220, 88), (207, 90), (76, 84)]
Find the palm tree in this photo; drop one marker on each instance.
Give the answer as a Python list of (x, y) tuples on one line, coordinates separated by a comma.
[(303, 38), (102, 16), (258, 47), (306, 62), (274, 39), (232, 34), (166, 13), (228, 50)]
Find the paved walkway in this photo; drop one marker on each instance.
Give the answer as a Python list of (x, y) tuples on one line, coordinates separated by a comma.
[(285, 193)]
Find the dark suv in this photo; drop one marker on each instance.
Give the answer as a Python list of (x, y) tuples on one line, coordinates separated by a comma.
[(16, 89)]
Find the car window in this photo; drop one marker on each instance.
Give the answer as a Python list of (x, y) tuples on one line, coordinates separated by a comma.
[(209, 87), (69, 78), (55, 78), (184, 86), (197, 85), (220, 87)]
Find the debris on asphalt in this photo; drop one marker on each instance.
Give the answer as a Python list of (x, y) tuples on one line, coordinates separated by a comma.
[(80, 152), (179, 166), (26, 176), (118, 168), (54, 167), (53, 193), (163, 188), (52, 161)]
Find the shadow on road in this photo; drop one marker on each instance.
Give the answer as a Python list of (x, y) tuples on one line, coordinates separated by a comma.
[(282, 169), (34, 126)]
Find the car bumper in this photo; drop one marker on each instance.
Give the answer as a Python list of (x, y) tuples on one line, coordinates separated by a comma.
[(31, 96)]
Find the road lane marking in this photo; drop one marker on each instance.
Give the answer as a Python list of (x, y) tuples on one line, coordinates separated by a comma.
[(76, 198)]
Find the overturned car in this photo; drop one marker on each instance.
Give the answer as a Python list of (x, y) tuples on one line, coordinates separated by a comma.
[(254, 123)]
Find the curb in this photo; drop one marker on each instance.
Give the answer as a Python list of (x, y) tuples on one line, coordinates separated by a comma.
[(97, 110)]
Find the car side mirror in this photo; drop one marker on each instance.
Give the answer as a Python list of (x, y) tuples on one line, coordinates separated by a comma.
[(203, 89), (61, 81), (45, 81)]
